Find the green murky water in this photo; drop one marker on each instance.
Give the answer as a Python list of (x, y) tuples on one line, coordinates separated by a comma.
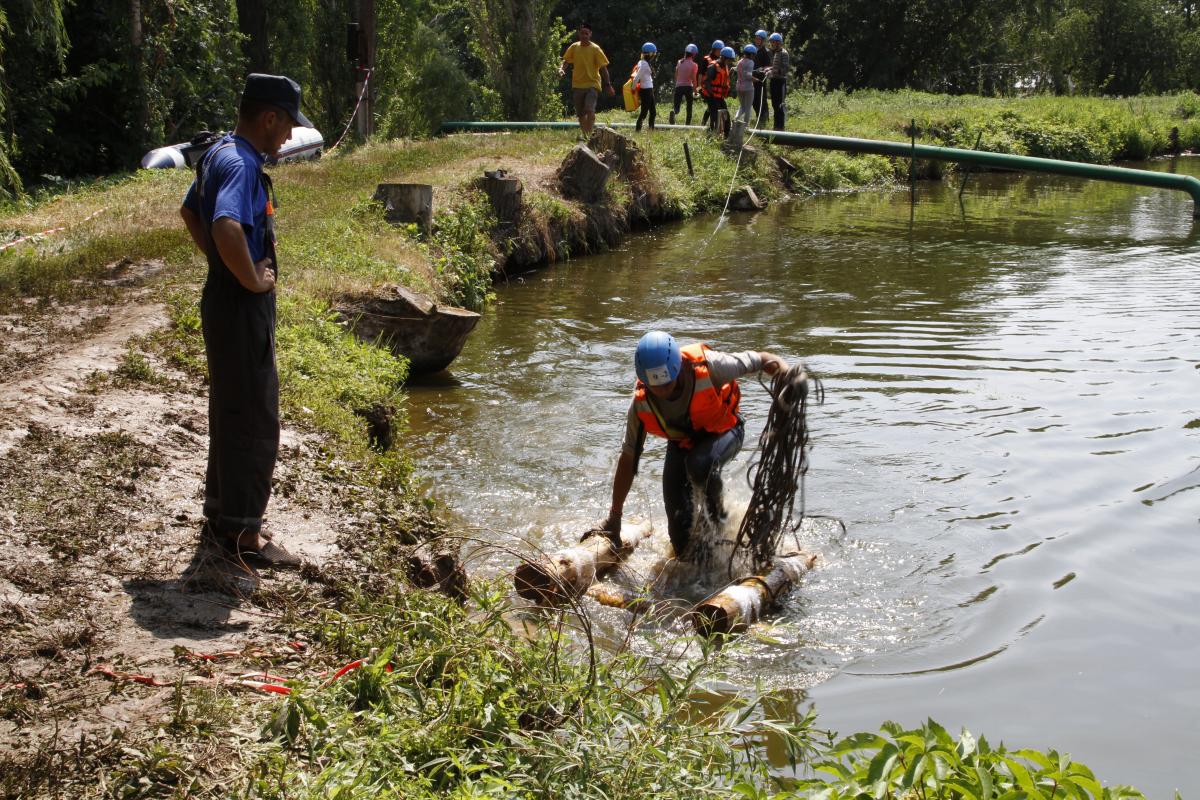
[(1011, 435)]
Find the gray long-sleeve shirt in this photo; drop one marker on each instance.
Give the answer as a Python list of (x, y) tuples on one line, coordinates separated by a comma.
[(781, 62), (676, 412)]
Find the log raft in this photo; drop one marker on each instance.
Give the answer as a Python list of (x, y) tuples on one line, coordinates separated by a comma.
[(742, 603), (554, 579)]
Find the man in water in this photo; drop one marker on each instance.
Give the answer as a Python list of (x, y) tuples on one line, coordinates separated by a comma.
[(589, 74), (689, 396)]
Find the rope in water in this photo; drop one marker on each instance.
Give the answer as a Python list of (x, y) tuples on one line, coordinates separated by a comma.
[(778, 475)]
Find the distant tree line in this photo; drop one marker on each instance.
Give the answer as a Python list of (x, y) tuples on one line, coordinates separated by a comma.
[(87, 86)]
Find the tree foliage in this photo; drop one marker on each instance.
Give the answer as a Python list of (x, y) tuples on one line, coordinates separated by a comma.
[(87, 86), (518, 43)]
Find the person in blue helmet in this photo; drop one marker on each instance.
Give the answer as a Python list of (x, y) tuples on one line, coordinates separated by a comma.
[(712, 57), (762, 64), (715, 86), (644, 78), (689, 396), (781, 65), (745, 83)]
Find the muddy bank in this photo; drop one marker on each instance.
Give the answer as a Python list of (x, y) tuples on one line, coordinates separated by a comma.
[(604, 190), (111, 599)]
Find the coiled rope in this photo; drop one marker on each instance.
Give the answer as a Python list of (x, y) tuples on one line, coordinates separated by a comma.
[(778, 474)]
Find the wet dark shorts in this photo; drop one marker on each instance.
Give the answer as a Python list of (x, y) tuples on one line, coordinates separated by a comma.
[(585, 101)]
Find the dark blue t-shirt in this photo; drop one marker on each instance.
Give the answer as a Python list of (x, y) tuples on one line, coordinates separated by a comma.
[(233, 188)]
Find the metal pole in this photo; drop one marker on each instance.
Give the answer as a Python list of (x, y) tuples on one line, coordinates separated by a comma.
[(967, 171), (912, 164), (687, 154)]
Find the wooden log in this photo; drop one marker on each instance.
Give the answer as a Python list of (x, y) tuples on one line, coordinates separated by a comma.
[(437, 568), (555, 579), (744, 199), (407, 202), (742, 603)]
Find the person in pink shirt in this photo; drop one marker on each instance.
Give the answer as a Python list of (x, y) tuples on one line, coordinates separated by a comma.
[(745, 83), (686, 72)]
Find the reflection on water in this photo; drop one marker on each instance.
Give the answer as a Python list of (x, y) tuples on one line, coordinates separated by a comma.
[(1010, 436)]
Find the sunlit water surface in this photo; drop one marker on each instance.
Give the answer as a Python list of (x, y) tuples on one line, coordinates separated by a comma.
[(1011, 435)]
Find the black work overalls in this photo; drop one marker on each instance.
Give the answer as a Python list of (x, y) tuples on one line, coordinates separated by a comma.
[(243, 400)]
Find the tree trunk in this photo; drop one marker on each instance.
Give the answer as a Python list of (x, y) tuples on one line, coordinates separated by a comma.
[(252, 22)]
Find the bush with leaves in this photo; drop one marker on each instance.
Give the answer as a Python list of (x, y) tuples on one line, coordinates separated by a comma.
[(927, 763)]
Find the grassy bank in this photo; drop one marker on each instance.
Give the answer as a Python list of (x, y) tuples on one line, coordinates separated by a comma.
[(442, 700), (1096, 130)]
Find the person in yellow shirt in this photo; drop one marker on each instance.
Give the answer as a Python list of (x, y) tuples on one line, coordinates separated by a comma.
[(589, 74)]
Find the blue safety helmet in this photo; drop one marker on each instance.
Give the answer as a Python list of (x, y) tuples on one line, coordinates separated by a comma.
[(749, 49), (691, 48), (760, 34), (728, 53), (649, 47), (776, 37), (657, 359), (718, 44)]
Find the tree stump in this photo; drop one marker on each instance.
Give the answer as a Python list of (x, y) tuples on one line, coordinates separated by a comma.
[(582, 175), (631, 163), (505, 192), (737, 136), (437, 568), (407, 202)]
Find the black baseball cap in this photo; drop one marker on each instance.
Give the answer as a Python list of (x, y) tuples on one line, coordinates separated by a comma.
[(278, 90)]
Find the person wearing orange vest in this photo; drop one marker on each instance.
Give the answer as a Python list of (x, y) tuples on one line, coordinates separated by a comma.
[(690, 397), (715, 88), (713, 56)]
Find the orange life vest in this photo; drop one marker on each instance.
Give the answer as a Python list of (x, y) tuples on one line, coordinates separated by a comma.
[(712, 409), (720, 83)]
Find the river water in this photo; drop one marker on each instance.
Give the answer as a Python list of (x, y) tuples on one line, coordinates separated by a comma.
[(1011, 435)]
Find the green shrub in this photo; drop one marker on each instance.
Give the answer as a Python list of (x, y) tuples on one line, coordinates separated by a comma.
[(461, 252), (927, 762)]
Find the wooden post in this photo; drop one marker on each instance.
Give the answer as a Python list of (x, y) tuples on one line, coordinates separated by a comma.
[(554, 579), (506, 195), (366, 23), (742, 603), (407, 202), (687, 155)]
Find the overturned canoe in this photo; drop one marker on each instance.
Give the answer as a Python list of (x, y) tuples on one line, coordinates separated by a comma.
[(742, 603), (554, 579), (429, 335)]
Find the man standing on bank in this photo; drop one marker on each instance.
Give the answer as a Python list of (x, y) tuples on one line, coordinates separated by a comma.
[(589, 74), (762, 65), (229, 213), (689, 396), (781, 63)]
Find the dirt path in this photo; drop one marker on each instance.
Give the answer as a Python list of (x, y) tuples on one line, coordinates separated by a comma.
[(101, 561)]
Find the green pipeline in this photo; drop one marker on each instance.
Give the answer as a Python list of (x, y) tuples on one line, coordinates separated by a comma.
[(1075, 169)]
